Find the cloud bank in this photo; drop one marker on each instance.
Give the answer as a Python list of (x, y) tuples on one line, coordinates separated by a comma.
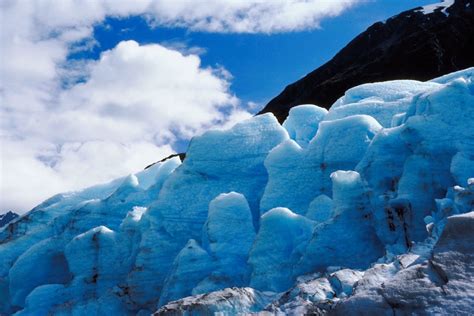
[(247, 16), (66, 124)]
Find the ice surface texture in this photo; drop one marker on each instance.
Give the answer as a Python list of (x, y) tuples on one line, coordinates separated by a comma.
[(376, 191)]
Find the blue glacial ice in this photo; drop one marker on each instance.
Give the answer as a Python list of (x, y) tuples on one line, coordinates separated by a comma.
[(316, 206), (298, 175), (303, 121), (279, 245)]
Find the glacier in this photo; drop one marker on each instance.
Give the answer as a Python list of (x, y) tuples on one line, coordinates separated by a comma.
[(367, 208)]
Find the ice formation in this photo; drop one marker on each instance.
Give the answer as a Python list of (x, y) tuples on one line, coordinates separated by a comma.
[(367, 207), (7, 218)]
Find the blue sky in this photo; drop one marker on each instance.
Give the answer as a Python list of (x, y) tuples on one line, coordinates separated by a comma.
[(95, 90), (261, 64)]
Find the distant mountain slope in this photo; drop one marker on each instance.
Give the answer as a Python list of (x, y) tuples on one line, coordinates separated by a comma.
[(418, 44)]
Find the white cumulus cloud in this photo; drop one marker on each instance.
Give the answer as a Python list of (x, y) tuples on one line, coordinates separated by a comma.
[(246, 16), (58, 133), (135, 102)]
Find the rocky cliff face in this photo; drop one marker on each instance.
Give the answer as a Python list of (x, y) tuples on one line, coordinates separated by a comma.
[(418, 44)]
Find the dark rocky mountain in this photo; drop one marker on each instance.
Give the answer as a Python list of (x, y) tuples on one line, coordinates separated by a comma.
[(7, 218), (415, 44)]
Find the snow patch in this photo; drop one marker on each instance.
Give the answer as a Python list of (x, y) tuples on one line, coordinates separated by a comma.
[(428, 9)]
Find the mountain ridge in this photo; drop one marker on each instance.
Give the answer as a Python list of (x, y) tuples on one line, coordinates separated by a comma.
[(409, 45)]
